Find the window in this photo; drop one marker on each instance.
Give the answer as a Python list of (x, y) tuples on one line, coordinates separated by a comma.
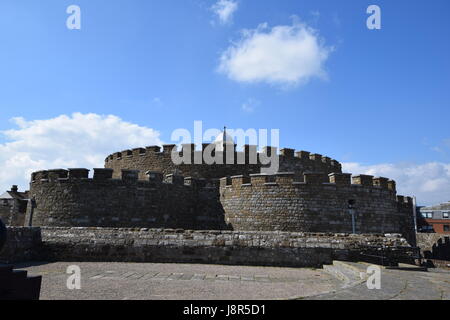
[(445, 215), (427, 215), (446, 228)]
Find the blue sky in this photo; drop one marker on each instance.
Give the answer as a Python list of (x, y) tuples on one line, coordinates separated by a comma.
[(383, 98)]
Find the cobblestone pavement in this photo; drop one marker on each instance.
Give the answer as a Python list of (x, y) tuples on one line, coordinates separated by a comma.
[(180, 281)]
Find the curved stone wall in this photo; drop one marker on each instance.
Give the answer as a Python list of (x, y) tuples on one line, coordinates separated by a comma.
[(66, 198), (153, 159), (283, 203)]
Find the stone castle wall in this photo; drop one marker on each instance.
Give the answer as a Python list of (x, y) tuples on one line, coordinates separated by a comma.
[(5, 213), (70, 198), (22, 244), (434, 245), (153, 159), (13, 213), (283, 203), (144, 188), (282, 249)]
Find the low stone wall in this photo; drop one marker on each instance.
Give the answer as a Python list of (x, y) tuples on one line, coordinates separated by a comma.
[(22, 244), (213, 247), (282, 249), (434, 245)]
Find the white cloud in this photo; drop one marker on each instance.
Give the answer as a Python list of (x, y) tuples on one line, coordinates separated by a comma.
[(79, 140), (250, 105), (224, 9), (429, 182), (286, 55)]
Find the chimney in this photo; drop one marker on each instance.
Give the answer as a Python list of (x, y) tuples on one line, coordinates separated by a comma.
[(14, 188)]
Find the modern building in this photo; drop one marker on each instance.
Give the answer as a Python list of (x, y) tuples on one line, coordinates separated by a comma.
[(435, 219)]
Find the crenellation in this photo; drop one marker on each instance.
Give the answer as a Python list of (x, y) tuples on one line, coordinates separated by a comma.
[(381, 182), (258, 179), (315, 157), (78, 173), (364, 180), (392, 185), (189, 181), (39, 175), (409, 201), (130, 175), (284, 178), (315, 177), (304, 155), (169, 148), (249, 161), (341, 179), (153, 149), (289, 153), (237, 181), (224, 182), (154, 176), (138, 151), (102, 174), (326, 160), (174, 179), (55, 174), (127, 153)]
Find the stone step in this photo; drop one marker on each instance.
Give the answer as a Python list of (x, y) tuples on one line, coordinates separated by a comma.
[(349, 275)]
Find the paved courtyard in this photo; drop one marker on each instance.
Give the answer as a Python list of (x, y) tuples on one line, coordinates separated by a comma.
[(152, 281), (180, 281)]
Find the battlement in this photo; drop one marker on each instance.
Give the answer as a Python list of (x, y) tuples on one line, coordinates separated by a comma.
[(309, 178), (300, 201), (191, 161), (106, 175), (249, 150), (406, 201)]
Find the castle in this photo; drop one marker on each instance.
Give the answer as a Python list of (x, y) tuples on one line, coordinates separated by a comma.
[(144, 188)]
